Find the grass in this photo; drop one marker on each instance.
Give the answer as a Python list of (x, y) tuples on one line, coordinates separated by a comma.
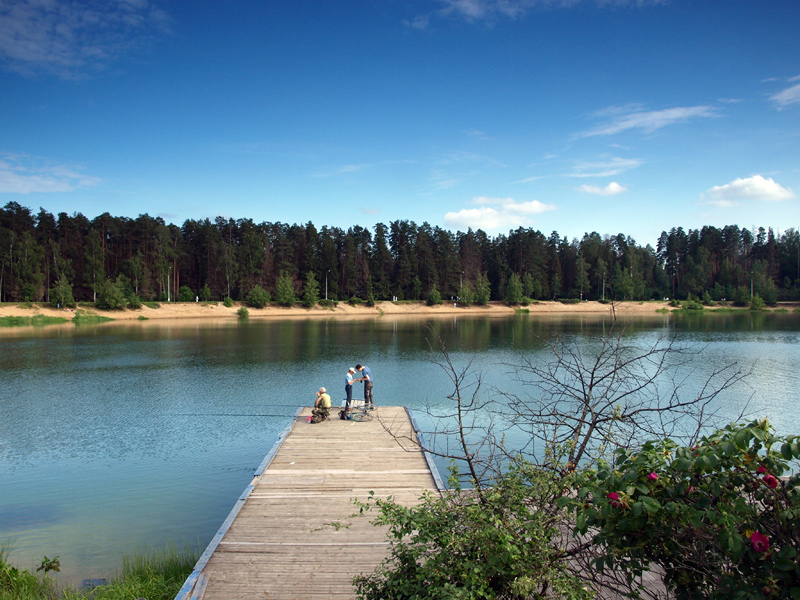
[(36, 320), (151, 304), (142, 318), (83, 317), (152, 574)]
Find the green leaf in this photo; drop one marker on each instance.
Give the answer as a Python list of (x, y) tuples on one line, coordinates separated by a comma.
[(682, 464), (651, 505), (742, 438), (637, 508), (784, 564), (786, 451)]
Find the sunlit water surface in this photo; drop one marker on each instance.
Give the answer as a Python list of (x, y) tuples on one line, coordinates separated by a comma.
[(118, 437)]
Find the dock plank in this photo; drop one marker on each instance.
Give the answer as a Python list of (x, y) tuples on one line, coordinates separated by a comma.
[(296, 533)]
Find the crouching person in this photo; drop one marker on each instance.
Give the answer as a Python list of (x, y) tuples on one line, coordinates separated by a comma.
[(322, 406)]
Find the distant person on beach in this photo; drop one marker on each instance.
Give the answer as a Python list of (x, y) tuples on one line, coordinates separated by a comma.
[(322, 406), (348, 389), (366, 377)]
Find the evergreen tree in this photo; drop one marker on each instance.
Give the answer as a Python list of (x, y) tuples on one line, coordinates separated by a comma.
[(284, 290), (61, 293), (483, 290), (514, 290), (310, 291)]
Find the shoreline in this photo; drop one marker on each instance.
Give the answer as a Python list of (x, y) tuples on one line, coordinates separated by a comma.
[(217, 311)]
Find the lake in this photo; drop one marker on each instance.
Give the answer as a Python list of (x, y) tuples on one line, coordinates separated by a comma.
[(116, 437)]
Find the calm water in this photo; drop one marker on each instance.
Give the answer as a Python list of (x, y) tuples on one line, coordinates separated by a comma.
[(116, 437)]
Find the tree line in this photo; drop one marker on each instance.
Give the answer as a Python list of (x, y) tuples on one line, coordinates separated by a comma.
[(42, 255)]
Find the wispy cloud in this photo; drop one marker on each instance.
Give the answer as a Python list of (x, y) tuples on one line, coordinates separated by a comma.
[(789, 96), (74, 39), (611, 189), (39, 176), (489, 11), (342, 170), (634, 117), (758, 188), (494, 214), (607, 167)]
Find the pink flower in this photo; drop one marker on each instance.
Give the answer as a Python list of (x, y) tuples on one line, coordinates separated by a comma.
[(652, 476), (613, 498), (760, 542), (771, 481), (761, 469)]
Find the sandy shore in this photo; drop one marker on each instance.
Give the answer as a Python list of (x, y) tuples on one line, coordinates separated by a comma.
[(192, 310)]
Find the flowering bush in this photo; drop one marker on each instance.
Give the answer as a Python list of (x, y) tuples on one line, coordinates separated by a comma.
[(716, 518)]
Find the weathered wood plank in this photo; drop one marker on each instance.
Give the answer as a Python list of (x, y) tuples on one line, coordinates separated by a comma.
[(296, 532)]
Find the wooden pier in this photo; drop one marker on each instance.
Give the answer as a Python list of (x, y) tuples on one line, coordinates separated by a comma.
[(295, 533)]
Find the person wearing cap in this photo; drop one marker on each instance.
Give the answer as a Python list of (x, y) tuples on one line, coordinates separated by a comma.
[(366, 377), (348, 389), (322, 406)]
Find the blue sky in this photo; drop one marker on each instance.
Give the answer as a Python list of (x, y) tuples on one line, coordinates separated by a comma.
[(615, 116)]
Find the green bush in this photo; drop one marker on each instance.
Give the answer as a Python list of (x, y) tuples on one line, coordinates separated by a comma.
[(327, 303), (355, 301), (569, 300), (228, 302), (715, 517), (434, 297), (185, 294), (243, 312), (258, 297), (205, 293), (110, 296), (466, 545), (134, 302), (692, 304), (757, 303)]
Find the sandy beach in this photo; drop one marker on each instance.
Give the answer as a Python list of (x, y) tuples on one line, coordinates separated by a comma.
[(211, 310)]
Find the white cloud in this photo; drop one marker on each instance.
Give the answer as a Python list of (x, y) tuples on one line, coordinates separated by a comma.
[(608, 167), (497, 213), (490, 11), (633, 117), (751, 188), (611, 189), (74, 39), (788, 96), (15, 178)]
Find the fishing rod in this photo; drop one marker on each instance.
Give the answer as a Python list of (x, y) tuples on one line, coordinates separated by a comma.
[(224, 415)]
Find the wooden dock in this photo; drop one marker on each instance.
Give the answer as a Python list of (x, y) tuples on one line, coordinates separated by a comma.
[(294, 533)]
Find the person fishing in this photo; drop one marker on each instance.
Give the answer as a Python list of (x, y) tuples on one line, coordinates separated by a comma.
[(366, 377), (322, 406)]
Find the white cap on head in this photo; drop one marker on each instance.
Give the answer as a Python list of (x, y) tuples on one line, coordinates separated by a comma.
[(322, 390), (352, 370)]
